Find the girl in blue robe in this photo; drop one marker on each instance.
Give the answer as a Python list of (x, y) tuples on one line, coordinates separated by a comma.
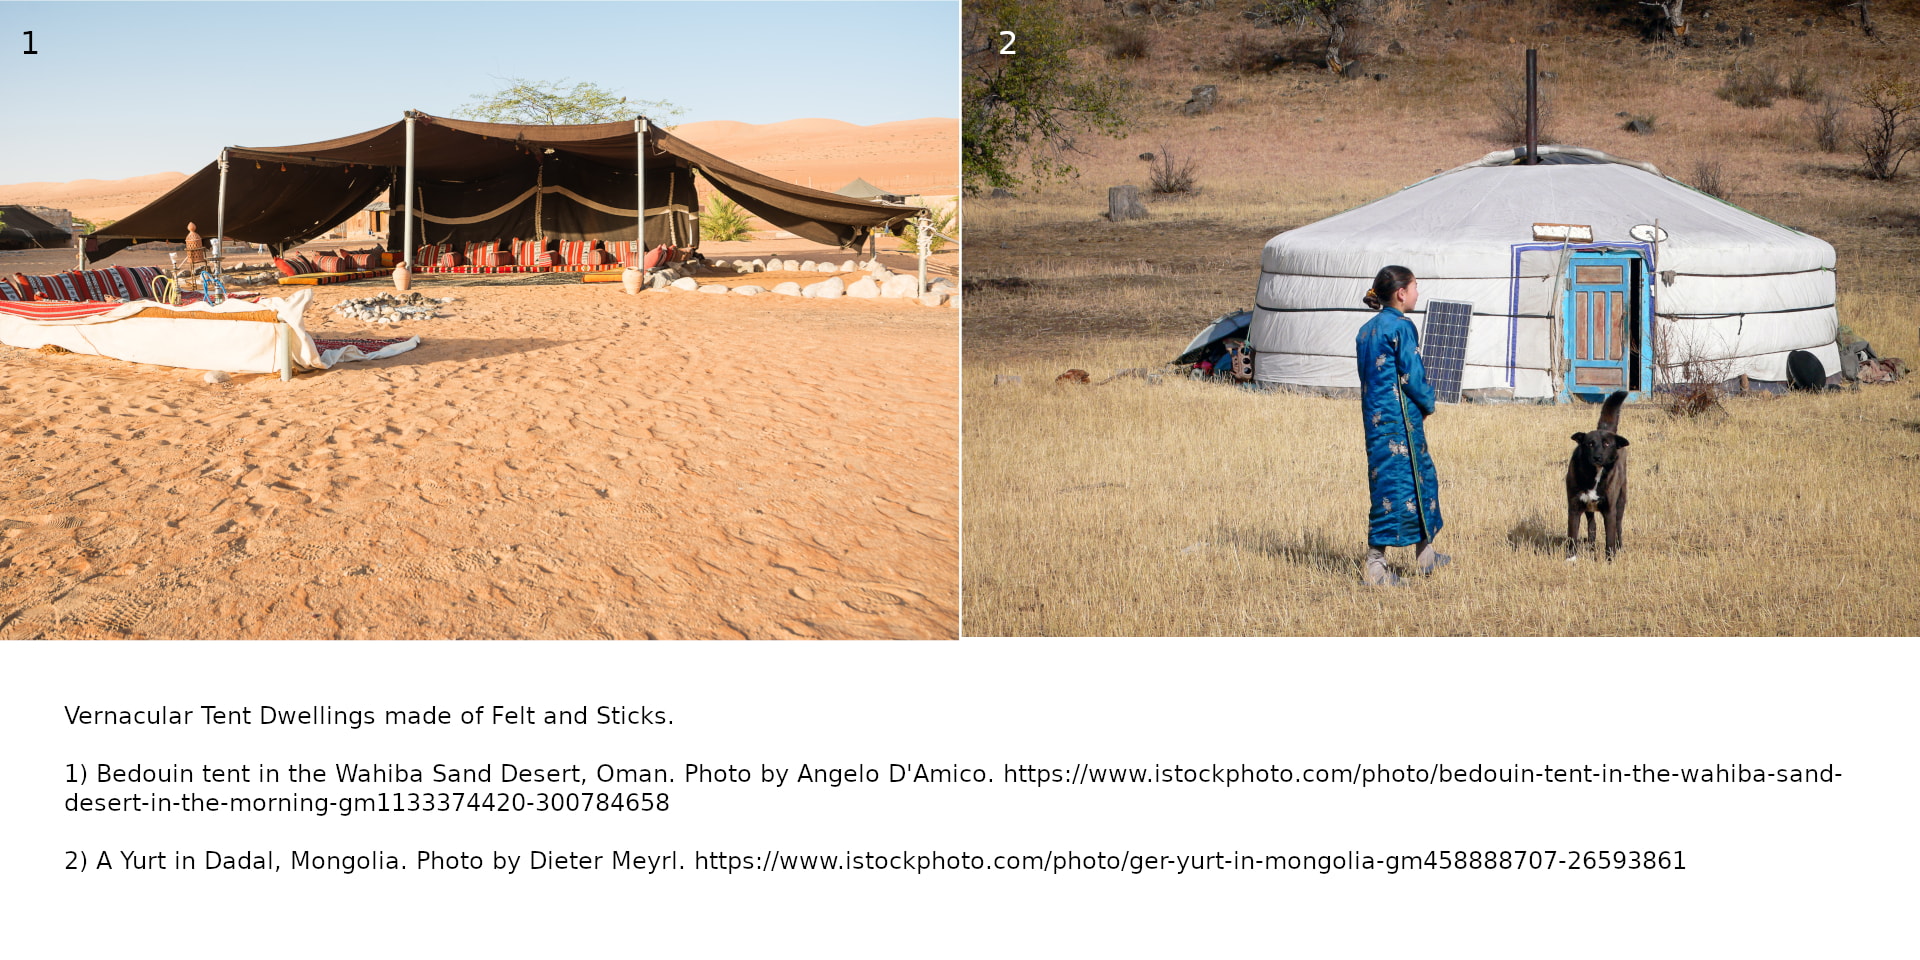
[(1395, 400)]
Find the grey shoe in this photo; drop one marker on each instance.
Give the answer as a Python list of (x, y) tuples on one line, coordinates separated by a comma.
[(1378, 575), (1430, 561)]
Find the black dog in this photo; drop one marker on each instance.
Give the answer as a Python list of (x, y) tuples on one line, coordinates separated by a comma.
[(1597, 478)]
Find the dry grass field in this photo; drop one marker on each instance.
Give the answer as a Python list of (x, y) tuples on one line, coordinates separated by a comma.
[(1191, 508)]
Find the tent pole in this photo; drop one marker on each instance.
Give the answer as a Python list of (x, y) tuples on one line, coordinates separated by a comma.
[(220, 216), (1533, 106), (407, 234), (925, 237), (640, 234)]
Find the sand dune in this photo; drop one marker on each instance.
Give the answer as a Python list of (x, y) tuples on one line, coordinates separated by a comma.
[(552, 462), (911, 156)]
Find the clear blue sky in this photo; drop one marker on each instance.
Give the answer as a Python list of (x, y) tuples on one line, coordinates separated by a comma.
[(127, 89)]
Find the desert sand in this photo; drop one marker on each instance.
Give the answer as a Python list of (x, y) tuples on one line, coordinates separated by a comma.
[(553, 462)]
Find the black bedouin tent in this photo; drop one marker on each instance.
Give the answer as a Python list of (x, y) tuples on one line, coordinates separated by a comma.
[(470, 181), (24, 230)]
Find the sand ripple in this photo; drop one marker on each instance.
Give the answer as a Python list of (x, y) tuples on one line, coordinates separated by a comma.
[(555, 462)]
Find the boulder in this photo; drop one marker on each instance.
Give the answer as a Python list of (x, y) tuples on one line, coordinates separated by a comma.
[(715, 288), (685, 283), (759, 265), (932, 299), (659, 282), (848, 267), (788, 289), (825, 268), (807, 266), (831, 287), (900, 286), (749, 290), (864, 288)]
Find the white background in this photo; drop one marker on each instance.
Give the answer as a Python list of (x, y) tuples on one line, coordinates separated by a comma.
[(1772, 870)]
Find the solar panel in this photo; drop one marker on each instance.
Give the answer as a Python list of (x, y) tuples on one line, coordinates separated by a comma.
[(1443, 346)]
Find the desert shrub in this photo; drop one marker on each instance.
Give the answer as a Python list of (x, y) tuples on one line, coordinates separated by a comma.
[(1752, 86), (1172, 175), (1694, 379), (1126, 43), (1829, 122), (1507, 104), (1709, 178), (1804, 84), (942, 219), (1893, 122), (725, 220)]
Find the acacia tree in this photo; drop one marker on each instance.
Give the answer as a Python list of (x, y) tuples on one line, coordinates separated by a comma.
[(1024, 98), (553, 102)]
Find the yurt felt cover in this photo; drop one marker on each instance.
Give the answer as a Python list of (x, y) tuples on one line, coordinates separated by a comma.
[(464, 169), (1744, 290)]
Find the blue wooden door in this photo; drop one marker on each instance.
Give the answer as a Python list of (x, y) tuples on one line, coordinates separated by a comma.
[(1604, 323)]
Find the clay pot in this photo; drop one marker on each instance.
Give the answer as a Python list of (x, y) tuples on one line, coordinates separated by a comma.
[(630, 278), (402, 278)]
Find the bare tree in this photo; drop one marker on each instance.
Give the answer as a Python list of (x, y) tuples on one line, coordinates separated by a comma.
[(1893, 122), (1669, 17)]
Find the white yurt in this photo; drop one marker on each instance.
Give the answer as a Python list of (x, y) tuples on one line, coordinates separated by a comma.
[(1586, 274)]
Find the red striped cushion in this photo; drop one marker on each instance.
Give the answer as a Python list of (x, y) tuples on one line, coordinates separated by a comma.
[(122, 282), (144, 277), (89, 282), (7, 291), (428, 255), (285, 267), (621, 251), (528, 253), (487, 253), (452, 259), (333, 264)]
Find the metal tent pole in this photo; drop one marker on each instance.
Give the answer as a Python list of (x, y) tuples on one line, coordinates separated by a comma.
[(640, 234), (1533, 107), (407, 234), (220, 215)]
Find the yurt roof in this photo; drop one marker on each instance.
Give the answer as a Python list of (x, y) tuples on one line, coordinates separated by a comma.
[(1466, 221)]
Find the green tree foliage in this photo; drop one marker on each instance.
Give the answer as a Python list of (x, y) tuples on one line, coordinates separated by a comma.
[(723, 219), (1027, 105), (550, 102), (942, 219)]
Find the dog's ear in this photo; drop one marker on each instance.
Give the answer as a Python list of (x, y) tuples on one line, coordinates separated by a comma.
[(1623, 440), (1580, 438)]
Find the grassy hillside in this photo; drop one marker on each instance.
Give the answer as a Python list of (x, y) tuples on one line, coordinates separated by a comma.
[(1190, 508)]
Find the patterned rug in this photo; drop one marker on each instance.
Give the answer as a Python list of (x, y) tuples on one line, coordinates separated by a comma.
[(474, 280), (366, 344)]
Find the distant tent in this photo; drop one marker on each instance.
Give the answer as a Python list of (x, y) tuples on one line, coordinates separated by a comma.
[(863, 190), (25, 231), (1671, 285)]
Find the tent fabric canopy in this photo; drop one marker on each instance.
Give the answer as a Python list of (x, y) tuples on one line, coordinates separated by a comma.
[(1732, 286), (482, 181), (23, 230)]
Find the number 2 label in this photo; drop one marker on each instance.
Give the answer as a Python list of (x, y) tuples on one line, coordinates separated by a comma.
[(1007, 51)]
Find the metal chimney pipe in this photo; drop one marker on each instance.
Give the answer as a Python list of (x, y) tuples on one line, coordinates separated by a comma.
[(1533, 106)]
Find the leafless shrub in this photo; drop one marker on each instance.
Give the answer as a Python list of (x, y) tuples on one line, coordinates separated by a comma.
[(1710, 178), (1172, 175), (1507, 104), (1893, 122), (1828, 118), (1804, 84), (1752, 85), (1695, 377), (1126, 43)]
